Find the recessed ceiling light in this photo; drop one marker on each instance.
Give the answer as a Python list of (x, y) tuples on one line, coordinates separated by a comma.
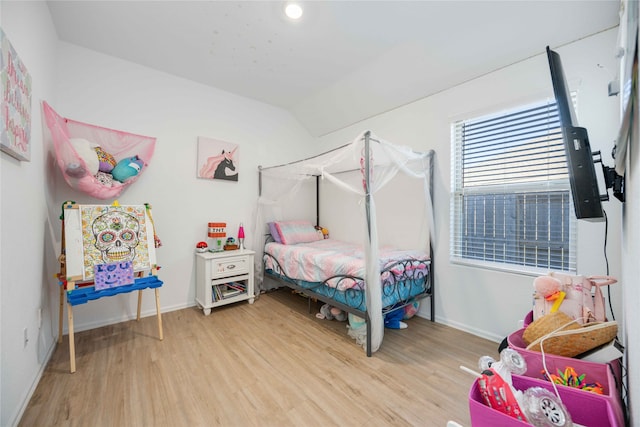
[(293, 11)]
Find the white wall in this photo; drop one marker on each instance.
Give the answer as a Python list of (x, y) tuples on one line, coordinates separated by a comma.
[(490, 303), (94, 88), (99, 89), (24, 258)]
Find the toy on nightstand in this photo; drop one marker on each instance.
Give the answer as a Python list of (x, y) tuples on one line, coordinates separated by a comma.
[(231, 244), (201, 247)]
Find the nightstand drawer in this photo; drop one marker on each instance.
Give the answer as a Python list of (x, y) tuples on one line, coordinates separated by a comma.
[(230, 266)]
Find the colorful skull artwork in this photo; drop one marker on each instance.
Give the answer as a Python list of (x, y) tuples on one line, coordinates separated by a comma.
[(116, 235)]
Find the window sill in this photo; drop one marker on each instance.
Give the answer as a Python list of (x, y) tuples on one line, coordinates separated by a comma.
[(505, 268)]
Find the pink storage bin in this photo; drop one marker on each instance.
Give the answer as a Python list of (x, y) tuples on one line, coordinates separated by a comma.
[(588, 409), (528, 319), (608, 375)]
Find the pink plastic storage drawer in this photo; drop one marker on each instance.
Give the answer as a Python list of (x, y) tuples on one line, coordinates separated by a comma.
[(608, 375), (588, 409)]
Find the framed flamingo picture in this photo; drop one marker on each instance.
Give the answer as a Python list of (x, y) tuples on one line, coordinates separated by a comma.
[(217, 159)]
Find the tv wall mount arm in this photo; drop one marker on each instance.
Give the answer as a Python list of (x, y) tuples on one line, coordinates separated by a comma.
[(611, 179)]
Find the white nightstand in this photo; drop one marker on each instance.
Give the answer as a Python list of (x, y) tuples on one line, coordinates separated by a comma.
[(224, 278)]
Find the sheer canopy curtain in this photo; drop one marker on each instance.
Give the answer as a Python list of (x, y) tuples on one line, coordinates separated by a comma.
[(378, 161)]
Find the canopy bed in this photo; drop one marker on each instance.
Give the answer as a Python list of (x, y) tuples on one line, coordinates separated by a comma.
[(367, 280)]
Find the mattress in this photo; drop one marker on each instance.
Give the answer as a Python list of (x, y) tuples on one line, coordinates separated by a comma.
[(336, 269)]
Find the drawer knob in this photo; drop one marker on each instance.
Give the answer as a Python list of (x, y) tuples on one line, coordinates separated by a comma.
[(231, 266)]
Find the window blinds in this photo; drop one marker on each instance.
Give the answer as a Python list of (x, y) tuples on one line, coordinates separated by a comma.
[(520, 147), (511, 203)]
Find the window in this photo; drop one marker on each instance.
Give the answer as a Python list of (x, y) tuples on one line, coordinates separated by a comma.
[(511, 206)]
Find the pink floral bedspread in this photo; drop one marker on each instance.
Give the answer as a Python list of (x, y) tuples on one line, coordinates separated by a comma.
[(319, 260)]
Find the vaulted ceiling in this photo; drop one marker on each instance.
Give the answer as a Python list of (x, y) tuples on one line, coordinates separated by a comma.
[(343, 61)]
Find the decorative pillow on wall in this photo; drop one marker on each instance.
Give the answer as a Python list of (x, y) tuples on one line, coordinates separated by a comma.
[(274, 232), (292, 232)]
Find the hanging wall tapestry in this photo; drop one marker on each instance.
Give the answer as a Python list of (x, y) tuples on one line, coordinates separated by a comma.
[(217, 159), (15, 116)]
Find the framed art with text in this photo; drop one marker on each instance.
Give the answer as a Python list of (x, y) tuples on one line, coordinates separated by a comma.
[(15, 113)]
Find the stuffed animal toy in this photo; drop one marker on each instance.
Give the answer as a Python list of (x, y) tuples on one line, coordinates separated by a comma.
[(104, 178), (328, 312), (107, 161), (550, 289), (127, 168), (411, 310), (85, 151), (323, 231), (75, 170), (356, 322), (546, 285), (393, 320)]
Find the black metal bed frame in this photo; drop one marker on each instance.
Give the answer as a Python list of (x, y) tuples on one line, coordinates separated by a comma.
[(390, 285)]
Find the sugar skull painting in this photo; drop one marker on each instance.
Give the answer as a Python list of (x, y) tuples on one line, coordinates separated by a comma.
[(114, 234)]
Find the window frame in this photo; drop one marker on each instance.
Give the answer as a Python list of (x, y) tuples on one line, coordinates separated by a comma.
[(458, 192)]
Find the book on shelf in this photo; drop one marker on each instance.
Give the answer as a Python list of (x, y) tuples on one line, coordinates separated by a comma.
[(227, 290), (230, 293), (238, 286)]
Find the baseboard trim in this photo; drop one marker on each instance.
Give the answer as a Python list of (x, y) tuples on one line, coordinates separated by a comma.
[(34, 384)]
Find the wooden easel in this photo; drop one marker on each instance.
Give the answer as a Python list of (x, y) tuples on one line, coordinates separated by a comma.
[(78, 292)]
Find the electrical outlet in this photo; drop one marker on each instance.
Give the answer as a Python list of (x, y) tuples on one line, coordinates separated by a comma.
[(26, 336)]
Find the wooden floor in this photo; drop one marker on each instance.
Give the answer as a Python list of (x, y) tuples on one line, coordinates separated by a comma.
[(268, 364)]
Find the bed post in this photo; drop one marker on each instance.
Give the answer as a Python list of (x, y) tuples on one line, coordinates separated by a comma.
[(367, 135), (318, 200), (432, 302), (259, 180)]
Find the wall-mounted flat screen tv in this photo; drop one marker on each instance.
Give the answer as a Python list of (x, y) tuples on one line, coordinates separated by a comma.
[(580, 161)]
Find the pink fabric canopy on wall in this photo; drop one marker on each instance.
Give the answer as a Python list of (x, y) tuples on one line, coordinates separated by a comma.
[(76, 170)]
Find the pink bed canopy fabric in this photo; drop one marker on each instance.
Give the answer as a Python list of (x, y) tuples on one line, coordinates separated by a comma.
[(121, 145)]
